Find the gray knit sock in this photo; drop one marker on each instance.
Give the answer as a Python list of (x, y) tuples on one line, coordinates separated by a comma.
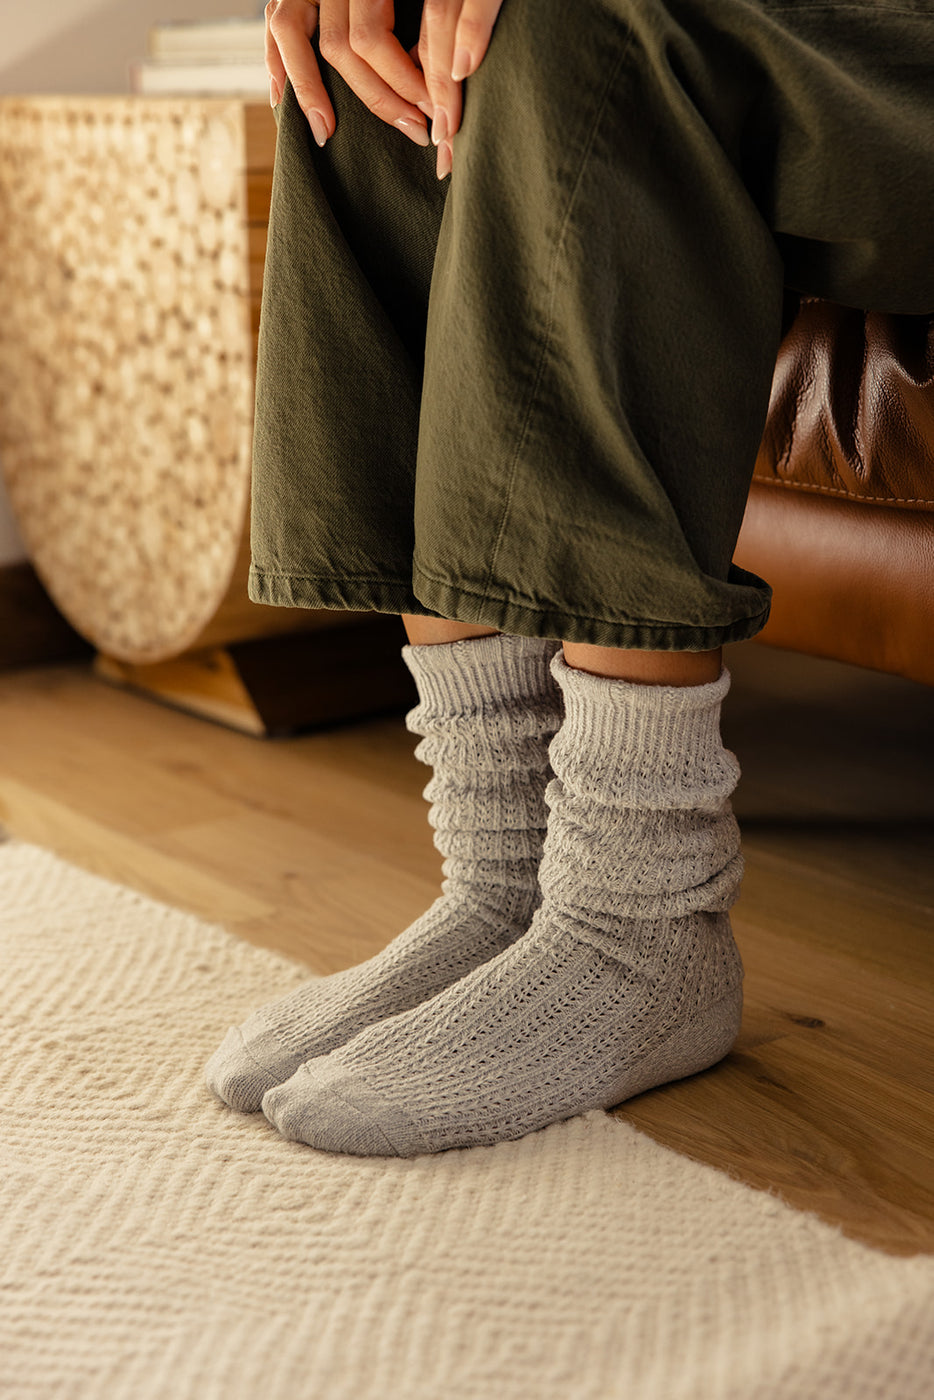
[(488, 708), (627, 978)]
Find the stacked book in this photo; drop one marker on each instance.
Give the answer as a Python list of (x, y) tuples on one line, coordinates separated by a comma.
[(204, 57)]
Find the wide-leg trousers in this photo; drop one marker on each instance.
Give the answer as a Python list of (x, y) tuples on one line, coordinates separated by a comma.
[(531, 396)]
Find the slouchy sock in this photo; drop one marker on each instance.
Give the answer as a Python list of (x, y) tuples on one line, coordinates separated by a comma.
[(628, 976), (488, 708)]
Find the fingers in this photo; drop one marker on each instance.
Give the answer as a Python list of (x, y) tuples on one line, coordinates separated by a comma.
[(289, 27), (372, 89), (472, 35), (445, 159), (274, 65), (371, 38), (439, 21), (454, 40)]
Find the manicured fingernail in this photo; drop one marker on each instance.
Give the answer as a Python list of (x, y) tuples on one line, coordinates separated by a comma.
[(274, 94), (462, 65), (445, 159), (319, 127), (439, 126), (414, 130)]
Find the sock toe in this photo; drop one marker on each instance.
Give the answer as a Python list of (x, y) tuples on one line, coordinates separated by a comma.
[(235, 1077), (330, 1109), (248, 1062)]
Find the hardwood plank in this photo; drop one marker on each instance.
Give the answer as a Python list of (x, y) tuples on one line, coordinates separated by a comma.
[(828, 1097), (880, 1016), (822, 741), (815, 913), (768, 1119), (362, 776), (342, 905), (892, 858), (106, 851), (303, 782), (132, 794)]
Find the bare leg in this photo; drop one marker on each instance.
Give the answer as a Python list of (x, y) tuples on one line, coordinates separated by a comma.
[(642, 667), (429, 631), (646, 667)]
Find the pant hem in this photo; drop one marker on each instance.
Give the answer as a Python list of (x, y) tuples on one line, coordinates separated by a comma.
[(642, 635), (439, 599), (351, 595)]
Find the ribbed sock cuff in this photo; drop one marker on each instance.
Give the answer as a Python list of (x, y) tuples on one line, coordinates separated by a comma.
[(643, 740), (470, 675)]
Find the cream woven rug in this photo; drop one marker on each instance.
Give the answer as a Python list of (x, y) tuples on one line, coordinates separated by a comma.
[(154, 1244)]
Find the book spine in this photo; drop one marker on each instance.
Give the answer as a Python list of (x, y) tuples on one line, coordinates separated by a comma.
[(204, 42), (155, 79)]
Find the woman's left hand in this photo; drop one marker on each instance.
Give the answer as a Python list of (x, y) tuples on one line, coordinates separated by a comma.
[(454, 38)]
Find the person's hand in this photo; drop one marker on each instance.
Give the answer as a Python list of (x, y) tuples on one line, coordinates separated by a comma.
[(454, 38), (356, 37), (290, 25)]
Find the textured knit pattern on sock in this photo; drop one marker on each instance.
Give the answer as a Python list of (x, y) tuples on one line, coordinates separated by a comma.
[(628, 976), (488, 708)]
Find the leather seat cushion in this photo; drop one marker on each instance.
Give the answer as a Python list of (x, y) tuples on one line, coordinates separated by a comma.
[(852, 408)]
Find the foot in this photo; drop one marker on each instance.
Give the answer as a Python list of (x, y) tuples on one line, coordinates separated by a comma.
[(552, 1027), (442, 946), (488, 710), (628, 976)]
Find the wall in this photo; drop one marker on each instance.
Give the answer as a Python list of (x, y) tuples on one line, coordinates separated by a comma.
[(86, 45), (63, 46)]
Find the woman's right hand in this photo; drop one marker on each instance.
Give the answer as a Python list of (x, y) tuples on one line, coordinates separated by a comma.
[(290, 25)]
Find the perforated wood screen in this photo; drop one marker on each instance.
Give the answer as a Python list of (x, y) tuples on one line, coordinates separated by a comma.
[(132, 234)]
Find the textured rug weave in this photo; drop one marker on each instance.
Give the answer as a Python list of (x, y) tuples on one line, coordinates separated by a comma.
[(155, 1244)]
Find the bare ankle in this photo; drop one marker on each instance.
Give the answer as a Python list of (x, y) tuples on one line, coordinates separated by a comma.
[(645, 667), (431, 631)]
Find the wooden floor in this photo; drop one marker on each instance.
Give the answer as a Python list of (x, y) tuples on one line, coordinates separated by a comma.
[(318, 846)]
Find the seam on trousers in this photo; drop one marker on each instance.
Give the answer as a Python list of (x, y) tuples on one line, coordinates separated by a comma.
[(521, 621), (532, 607), (311, 591), (553, 276), (329, 578)]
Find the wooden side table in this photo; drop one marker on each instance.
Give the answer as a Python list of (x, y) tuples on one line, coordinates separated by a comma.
[(132, 239)]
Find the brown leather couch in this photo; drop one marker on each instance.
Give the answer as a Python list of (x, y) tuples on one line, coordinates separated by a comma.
[(840, 518)]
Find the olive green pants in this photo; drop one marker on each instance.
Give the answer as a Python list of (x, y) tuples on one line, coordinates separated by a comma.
[(531, 396)]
